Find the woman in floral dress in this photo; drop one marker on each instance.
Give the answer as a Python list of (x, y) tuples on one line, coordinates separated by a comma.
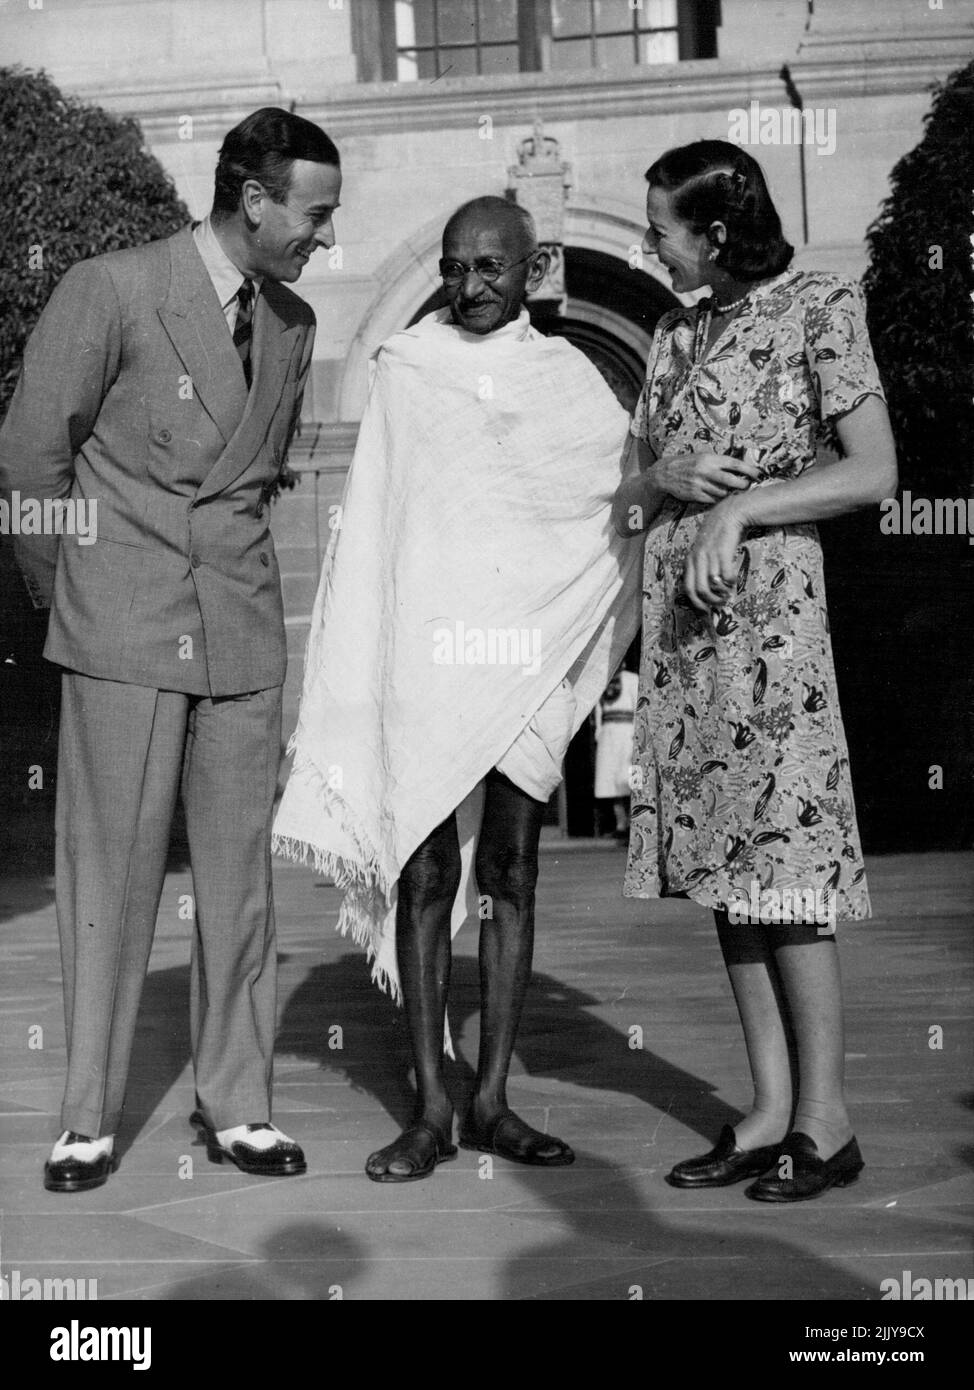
[(742, 798)]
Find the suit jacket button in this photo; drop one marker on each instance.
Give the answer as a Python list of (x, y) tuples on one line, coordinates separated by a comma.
[(264, 558), (195, 560), (164, 437)]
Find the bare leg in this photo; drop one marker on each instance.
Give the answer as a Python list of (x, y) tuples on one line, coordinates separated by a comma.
[(753, 972), (427, 887), (507, 871), (809, 970)]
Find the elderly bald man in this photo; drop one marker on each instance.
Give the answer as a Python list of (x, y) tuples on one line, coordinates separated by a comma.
[(473, 605)]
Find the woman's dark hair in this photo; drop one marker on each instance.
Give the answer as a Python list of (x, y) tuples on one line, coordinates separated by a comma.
[(263, 147), (714, 181)]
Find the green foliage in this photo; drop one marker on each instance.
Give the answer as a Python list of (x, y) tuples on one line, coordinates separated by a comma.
[(920, 317), (78, 182)]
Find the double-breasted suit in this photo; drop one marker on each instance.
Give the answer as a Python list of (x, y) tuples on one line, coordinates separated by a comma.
[(170, 631)]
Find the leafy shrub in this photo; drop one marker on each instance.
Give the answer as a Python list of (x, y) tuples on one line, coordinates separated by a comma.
[(902, 606), (920, 317), (79, 183)]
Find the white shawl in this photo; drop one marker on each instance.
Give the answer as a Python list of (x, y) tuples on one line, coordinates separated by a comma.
[(474, 567)]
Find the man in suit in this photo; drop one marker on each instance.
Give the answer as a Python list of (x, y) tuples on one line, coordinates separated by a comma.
[(164, 383)]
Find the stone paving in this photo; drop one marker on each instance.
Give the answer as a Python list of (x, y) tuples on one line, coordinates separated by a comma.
[(630, 1049)]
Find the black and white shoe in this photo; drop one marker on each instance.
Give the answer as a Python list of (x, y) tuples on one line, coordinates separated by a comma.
[(78, 1163), (261, 1150)]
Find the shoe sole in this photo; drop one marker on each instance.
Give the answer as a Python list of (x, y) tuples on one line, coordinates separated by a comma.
[(221, 1155), (714, 1182), (83, 1185), (561, 1161)]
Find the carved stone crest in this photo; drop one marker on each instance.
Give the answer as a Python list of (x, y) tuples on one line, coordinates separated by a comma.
[(540, 181)]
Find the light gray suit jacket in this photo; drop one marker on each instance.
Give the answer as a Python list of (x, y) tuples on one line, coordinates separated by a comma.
[(132, 394)]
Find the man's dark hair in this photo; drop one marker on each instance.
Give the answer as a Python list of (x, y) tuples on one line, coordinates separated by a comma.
[(714, 181), (264, 147)]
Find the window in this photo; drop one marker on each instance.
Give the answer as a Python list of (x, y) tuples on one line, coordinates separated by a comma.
[(436, 38), (613, 33), (422, 40)]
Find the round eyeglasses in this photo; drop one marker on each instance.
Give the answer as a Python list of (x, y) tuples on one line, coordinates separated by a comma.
[(487, 268)]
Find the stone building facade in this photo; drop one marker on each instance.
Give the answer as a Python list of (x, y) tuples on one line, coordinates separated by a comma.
[(565, 102)]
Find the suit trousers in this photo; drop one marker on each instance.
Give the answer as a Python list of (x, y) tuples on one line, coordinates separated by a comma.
[(125, 753)]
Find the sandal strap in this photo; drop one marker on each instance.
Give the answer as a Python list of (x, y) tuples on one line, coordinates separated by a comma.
[(441, 1141)]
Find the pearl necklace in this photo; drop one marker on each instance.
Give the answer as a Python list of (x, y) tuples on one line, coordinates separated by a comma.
[(704, 320), (729, 308)]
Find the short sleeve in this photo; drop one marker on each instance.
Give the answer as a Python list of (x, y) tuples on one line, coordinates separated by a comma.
[(837, 347)]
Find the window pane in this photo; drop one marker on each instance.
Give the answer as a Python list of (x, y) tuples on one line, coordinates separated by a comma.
[(456, 21), (405, 24), (423, 10), (571, 55), (458, 62), (616, 16), (660, 48), (503, 58), (413, 67), (658, 14), (414, 23), (619, 52), (498, 20), (570, 17)]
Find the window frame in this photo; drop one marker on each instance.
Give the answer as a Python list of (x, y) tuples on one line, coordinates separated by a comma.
[(633, 32), (377, 52)]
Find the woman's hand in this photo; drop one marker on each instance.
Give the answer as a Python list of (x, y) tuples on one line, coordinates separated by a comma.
[(711, 567), (704, 478)]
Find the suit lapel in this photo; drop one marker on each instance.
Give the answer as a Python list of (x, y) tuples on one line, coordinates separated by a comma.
[(274, 344), (193, 318)]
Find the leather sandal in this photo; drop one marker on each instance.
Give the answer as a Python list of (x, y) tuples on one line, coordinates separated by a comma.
[(491, 1141), (442, 1152)]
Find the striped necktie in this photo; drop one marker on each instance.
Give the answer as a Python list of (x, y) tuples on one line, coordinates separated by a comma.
[(243, 331)]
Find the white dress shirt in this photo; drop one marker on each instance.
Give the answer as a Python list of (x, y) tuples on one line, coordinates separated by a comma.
[(226, 278)]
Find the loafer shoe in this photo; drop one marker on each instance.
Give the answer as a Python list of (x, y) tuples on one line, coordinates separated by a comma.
[(277, 1157), (78, 1163), (726, 1163), (810, 1174)]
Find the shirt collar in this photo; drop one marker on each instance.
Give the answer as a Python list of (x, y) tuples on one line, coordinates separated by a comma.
[(226, 277)]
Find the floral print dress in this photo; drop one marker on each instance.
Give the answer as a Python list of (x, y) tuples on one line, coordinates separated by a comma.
[(740, 772)]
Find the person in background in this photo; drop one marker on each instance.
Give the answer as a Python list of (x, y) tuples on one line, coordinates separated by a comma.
[(613, 748)]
